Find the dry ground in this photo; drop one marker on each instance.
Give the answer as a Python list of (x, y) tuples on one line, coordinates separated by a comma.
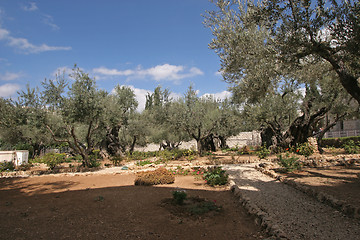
[(339, 181), (111, 207)]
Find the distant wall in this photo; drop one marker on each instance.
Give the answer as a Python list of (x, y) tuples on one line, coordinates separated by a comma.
[(17, 157), (245, 138)]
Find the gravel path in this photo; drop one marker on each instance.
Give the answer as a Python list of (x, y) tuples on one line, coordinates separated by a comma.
[(294, 214)]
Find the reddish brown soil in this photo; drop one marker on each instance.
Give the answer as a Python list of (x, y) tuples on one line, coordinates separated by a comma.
[(341, 182), (111, 207)]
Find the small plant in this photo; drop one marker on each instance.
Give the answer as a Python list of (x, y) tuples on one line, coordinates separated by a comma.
[(179, 196), (116, 160), (351, 147), (289, 164), (159, 176), (263, 152), (143, 162), (305, 149), (244, 150), (94, 163), (24, 167), (204, 207), (7, 166), (52, 160), (216, 176)]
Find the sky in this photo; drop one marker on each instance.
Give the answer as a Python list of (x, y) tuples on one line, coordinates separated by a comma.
[(137, 43)]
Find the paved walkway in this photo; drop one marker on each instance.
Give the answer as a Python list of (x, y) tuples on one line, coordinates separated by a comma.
[(294, 213)]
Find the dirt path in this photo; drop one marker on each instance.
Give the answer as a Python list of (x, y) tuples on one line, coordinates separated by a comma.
[(109, 206), (292, 212)]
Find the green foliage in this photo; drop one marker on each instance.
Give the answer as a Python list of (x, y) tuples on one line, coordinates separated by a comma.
[(216, 176), (289, 164), (305, 149), (7, 166), (159, 176), (179, 196), (24, 167), (263, 152), (204, 207), (143, 162), (52, 160), (351, 147), (116, 160), (338, 142), (270, 51)]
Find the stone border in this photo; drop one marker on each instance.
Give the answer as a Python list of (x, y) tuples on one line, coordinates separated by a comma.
[(348, 209), (262, 218)]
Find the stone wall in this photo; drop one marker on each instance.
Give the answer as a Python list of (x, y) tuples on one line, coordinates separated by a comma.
[(243, 139)]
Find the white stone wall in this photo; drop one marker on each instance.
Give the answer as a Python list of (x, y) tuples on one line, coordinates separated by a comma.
[(17, 157), (245, 138)]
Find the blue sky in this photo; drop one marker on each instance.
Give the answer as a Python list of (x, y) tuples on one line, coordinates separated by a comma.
[(138, 43)]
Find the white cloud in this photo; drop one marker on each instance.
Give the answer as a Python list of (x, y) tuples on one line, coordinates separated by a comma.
[(220, 96), (8, 76), (25, 46), (30, 7), (175, 96), (112, 72), (7, 90), (3, 33), (49, 20), (62, 70), (165, 72)]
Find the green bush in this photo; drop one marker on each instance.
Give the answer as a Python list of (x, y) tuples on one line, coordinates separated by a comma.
[(351, 147), (52, 160), (216, 176), (159, 176), (263, 152), (305, 149), (7, 166), (179, 197), (289, 164), (116, 160), (204, 207), (24, 167), (338, 142)]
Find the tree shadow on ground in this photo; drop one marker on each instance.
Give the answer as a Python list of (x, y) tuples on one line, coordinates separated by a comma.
[(121, 212)]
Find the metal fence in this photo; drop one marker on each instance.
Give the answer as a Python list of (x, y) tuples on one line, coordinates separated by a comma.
[(349, 133)]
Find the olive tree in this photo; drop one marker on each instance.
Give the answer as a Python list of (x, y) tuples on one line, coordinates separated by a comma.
[(75, 117), (203, 119), (260, 60), (264, 38)]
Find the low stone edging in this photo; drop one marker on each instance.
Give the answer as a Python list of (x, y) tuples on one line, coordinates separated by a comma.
[(347, 209), (262, 217)]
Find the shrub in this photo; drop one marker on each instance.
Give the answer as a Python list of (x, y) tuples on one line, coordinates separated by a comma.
[(204, 207), (159, 176), (52, 160), (289, 163), (143, 162), (116, 160), (216, 176), (94, 163), (305, 149), (245, 150), (24, 167), (7, 166), (179, 196), (263, 152), (351, 147), (338, 142)]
